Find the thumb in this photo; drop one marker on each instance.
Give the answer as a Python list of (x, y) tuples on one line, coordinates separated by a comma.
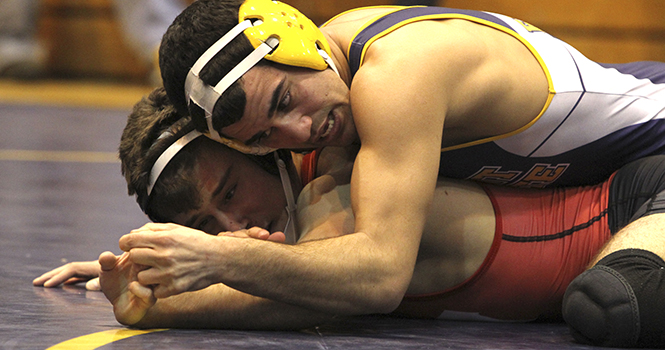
[(107, 260)]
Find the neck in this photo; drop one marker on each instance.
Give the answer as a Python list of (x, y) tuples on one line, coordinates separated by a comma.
[(341, 62)]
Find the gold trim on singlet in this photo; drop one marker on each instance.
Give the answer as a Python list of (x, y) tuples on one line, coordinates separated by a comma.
[(507, 30)]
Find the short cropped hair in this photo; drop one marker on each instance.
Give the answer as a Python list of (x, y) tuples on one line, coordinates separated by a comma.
[(198, 27), (153, 126)]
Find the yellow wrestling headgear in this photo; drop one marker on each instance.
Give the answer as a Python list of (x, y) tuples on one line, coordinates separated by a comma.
[(278, 32), (299, 38)]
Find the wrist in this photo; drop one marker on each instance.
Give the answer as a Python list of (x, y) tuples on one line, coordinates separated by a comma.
[(218, 252)]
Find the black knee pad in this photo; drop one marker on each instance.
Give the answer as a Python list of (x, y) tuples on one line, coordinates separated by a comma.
[(620, 302)]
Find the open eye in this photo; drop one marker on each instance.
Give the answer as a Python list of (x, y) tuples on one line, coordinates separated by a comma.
[(284, 103), (229, 194), (264, 136)]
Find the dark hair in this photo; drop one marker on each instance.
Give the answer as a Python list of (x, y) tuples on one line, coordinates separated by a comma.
[(152, 126), (142, 142), (198, 27)]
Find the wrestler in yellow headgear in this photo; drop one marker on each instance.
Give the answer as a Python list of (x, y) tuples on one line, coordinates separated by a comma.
[(278, 32)]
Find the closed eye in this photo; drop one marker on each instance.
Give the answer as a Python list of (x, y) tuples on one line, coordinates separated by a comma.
[(202, 224), (282, 106)]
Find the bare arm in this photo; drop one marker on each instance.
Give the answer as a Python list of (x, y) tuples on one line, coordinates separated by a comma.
[(221, 307), (217, 306), (364, 272), (367, 271)]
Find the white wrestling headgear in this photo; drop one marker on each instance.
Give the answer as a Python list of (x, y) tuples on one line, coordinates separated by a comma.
[(170, 152), (278, 32)]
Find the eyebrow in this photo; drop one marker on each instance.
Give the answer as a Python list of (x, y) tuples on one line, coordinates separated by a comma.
[(274, 103), (220, 186)]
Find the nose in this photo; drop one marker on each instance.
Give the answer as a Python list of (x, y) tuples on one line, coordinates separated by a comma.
[(232, 222), (293, 129)]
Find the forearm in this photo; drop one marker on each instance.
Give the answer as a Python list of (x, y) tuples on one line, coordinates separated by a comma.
[(346, 275), (220, 307), (360, 273)]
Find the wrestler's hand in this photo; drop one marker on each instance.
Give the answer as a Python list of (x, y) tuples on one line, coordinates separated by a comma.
[(181, 259), (70, 273), (118, 279), (256, 233)]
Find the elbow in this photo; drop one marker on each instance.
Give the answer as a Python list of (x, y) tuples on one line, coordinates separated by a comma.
[(385, 296), (393, 297), (388, 304), (386, 291)]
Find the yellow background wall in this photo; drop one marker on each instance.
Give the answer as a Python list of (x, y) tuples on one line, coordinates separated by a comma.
[(84, 38), (612, 31)]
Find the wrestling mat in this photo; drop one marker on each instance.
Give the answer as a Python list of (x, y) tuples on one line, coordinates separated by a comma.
[(62, 199)]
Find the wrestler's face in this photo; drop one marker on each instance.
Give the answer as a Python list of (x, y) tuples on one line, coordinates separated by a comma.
[(236, 193), (294, 108)]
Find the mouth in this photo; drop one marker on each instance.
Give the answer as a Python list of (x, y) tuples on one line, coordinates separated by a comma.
[(329, 127)]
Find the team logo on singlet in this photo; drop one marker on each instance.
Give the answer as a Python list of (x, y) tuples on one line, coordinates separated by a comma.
[(528, 26), (540, 175)]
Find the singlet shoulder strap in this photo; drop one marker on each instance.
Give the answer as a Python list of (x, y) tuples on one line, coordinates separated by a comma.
[(393, 20)]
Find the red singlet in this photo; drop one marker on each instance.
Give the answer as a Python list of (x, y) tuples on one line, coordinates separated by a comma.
[(543, 240)]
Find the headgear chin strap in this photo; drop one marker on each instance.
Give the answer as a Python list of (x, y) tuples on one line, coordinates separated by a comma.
[(278, 32), (290, 229)]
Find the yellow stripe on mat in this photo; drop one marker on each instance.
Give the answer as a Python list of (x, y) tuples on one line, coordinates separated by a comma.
[(95, 340), (59, 156), (69, 93)]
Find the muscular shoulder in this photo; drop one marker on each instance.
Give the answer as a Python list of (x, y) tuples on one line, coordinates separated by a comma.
[(470, 74), (404, 88)]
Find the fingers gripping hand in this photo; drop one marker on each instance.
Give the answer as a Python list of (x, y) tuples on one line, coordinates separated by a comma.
[(118, 280), (179, 259), (256, 233), (152, 227), (70, 273)]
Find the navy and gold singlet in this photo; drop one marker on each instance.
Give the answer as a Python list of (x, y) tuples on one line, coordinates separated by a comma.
[(597, 118)]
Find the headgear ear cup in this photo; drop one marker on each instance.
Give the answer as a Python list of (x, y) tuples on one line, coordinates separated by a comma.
[(299, 38)]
